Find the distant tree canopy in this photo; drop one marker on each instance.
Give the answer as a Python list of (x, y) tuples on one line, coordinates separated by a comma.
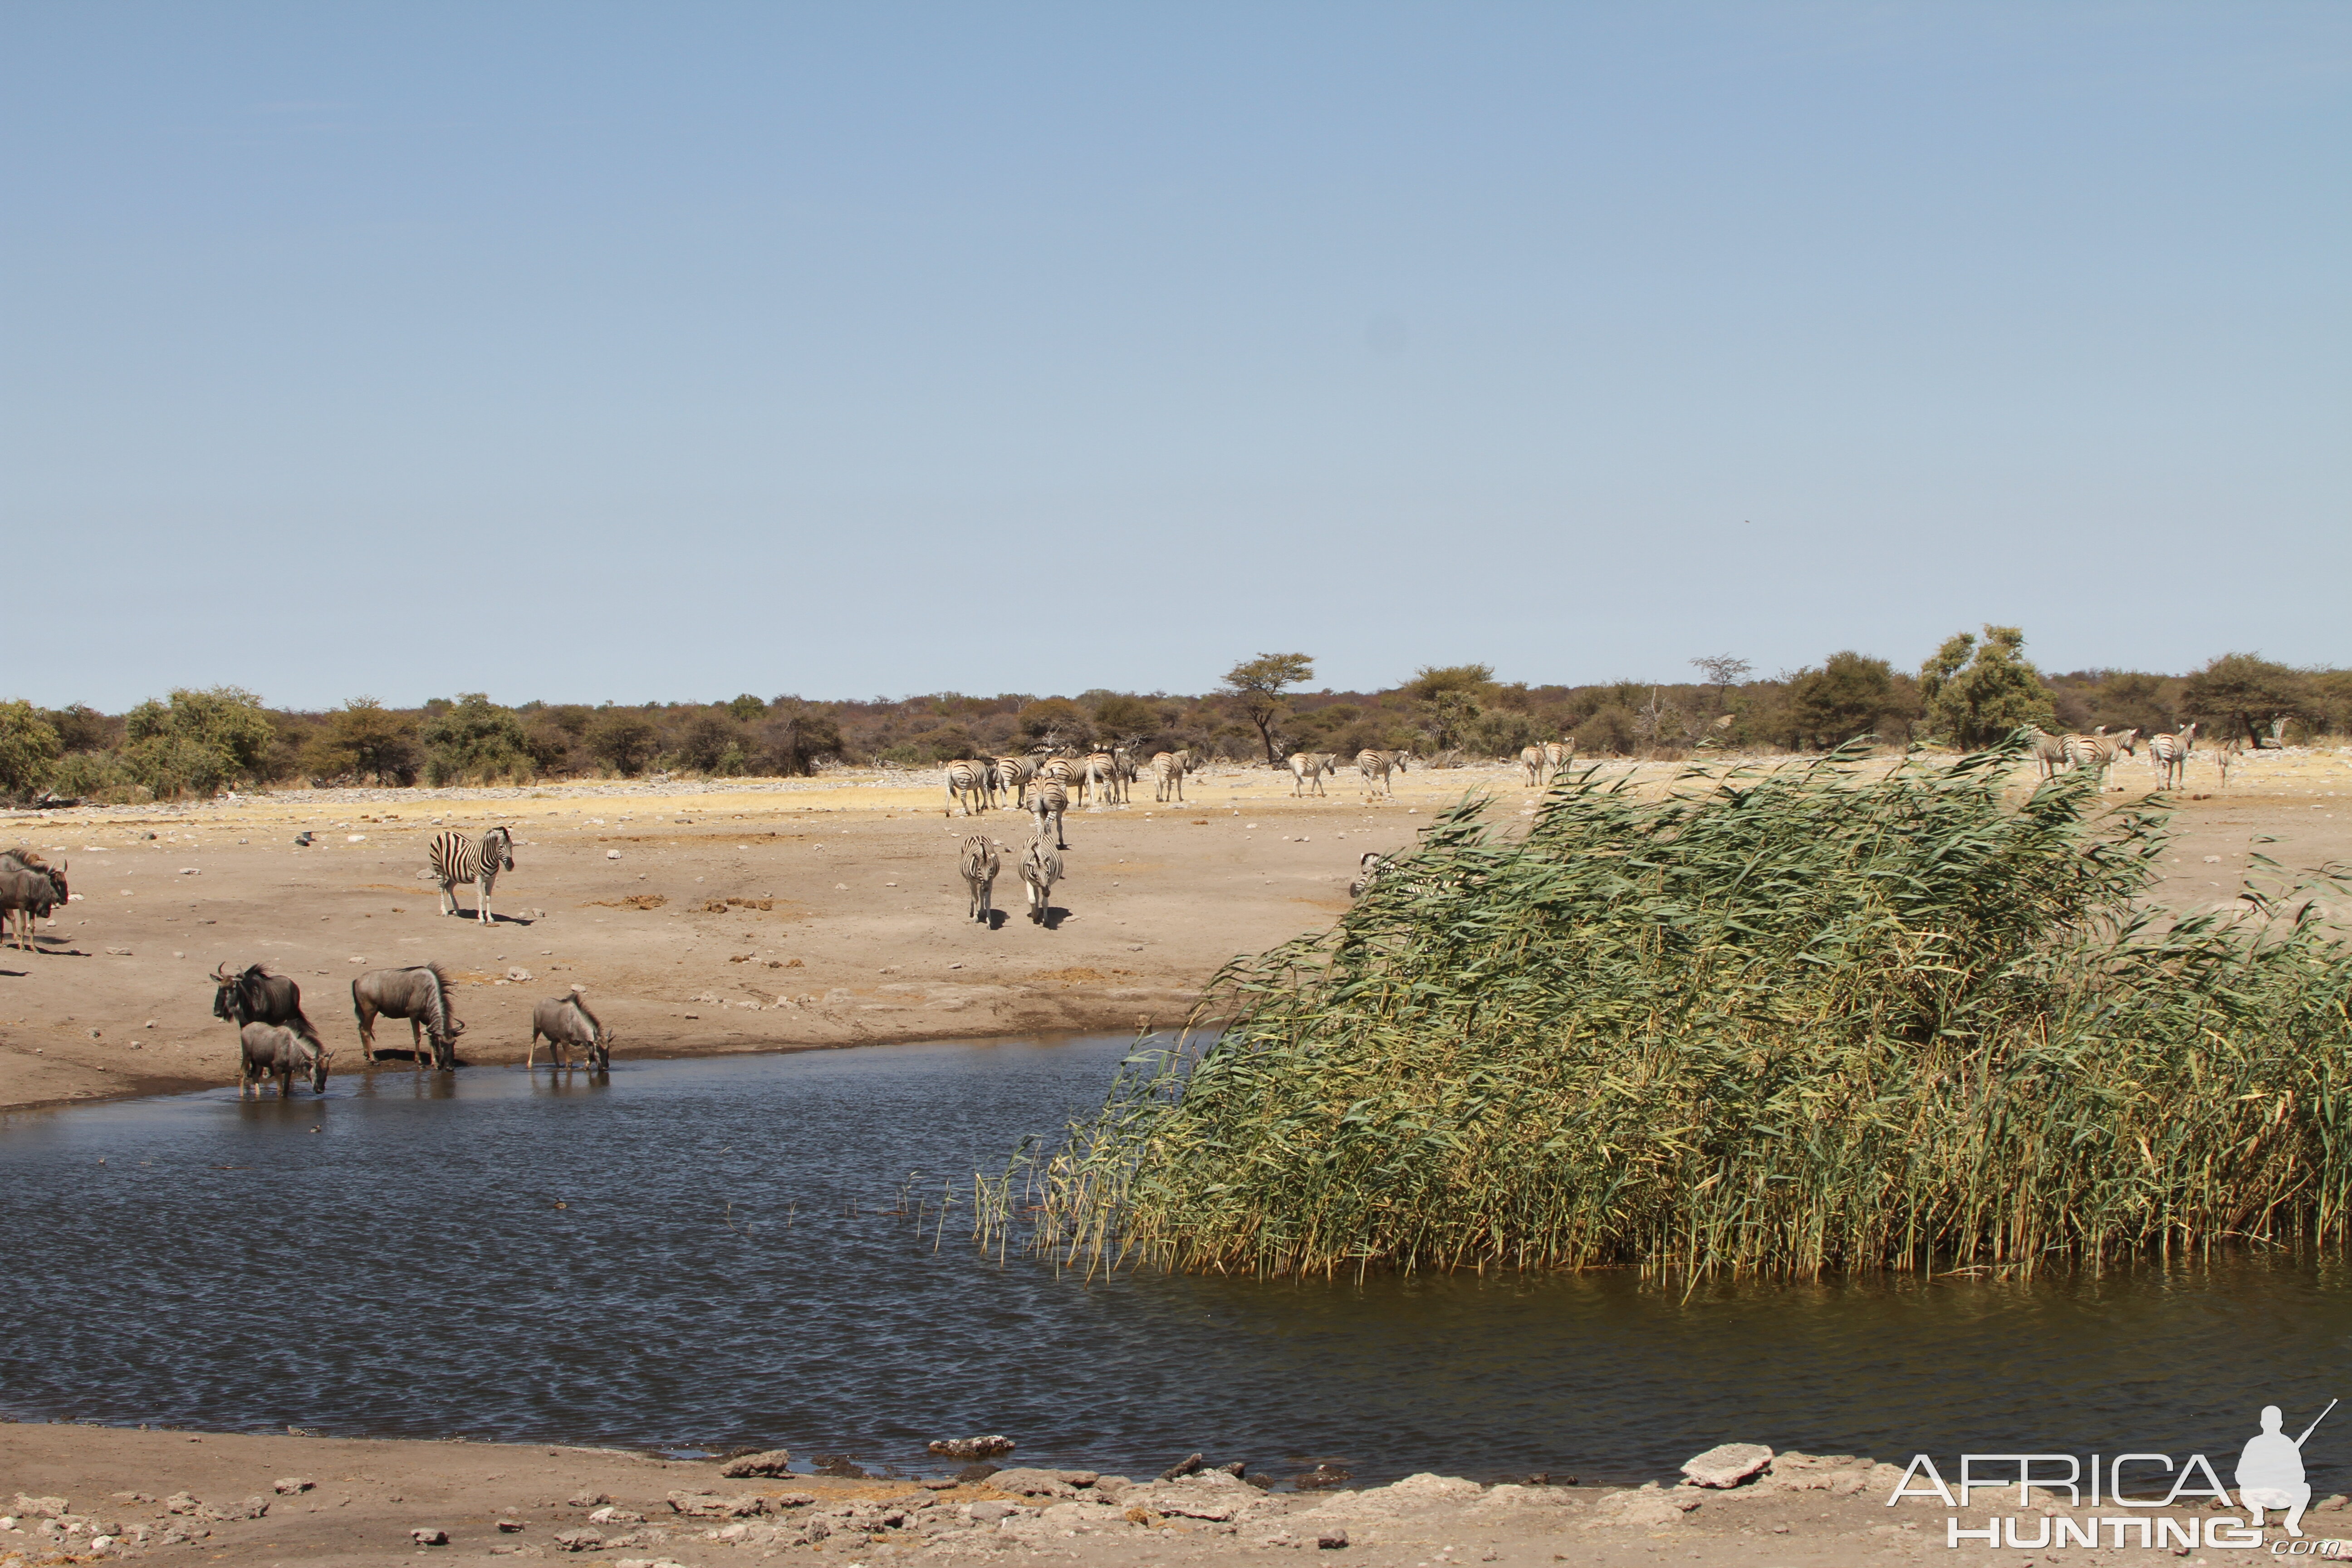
[(1257, 686), (365, 740), (28, 747), (474, 741), (196, 741), (1977, 692), (2239, 694), (1851, 694)]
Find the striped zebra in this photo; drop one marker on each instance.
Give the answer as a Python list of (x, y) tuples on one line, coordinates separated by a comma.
[(2049, 752), (1376, 765), (2098, 751), (2168, 755), (979, 863), (967, 786), (1306, 768), (1050, 799), (1368, 866), (1040, 870), (1013, 776), (1558, 754), (1098, 774), (1168, 771), (1531, 758), (458, 859)]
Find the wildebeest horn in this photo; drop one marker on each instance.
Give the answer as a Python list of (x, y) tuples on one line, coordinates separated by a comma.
[(220, 972)]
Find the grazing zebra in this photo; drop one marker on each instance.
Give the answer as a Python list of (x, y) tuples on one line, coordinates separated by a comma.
[(1368, 866), (967, 786), (1376, 765), (1306, 768), (2168, 755), (458, 859), (1532, 758), (979, 865), (1050, 800), (1040, 870), (1168, 771), (1013, 776)]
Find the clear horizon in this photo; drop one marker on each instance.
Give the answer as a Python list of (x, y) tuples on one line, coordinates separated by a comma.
[(611, 352)]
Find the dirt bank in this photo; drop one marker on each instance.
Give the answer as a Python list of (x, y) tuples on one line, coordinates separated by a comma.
[(179, 1496), (789, 915)]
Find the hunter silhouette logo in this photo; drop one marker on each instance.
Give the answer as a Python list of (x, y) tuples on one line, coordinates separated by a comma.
[(2270, 1470), (2270, 1478)]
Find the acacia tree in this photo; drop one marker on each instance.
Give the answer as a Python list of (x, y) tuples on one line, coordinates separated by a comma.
[(1843, 699), (1257, 685), (2238, 691), (1976, 693)]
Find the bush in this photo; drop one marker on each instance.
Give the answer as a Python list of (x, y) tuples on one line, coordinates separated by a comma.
[(474, 741), (98, 777), (2238, 695), (28, 748), (1975, 694), (623, 741), (1808, 1021), (1849, 695), (365, 741), (708, 740), (197, 742), (796, 736)]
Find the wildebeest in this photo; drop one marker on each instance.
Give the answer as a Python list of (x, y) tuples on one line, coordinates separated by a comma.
[(566, 1022), (256, 995), (30, 896), (271, 1050), (421, 995), (979, 863)]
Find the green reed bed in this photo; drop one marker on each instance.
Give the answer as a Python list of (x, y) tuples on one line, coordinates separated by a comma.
[(1840, 1017)]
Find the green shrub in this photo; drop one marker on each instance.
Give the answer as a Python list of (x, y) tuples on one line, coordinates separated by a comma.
[(28, 748), (1799, 1022)]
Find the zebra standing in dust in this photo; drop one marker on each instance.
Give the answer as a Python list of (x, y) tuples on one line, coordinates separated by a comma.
[(1532, 758), (1558, 754), (458, 859), (1376, 765), (1013, 776), (1306, 768), (1168, 771), (2049, 752), (1050, 799), (978, 864), (967, 783), (1040, 870), (2168, 755), (1098, 775)]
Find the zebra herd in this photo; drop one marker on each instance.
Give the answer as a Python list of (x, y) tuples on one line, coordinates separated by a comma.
[(2167, 751), (980, 858), (976, 782), (1547, 759), (1308, 768)]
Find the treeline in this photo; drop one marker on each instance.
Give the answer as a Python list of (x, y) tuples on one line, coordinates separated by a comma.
[(1975, 689)]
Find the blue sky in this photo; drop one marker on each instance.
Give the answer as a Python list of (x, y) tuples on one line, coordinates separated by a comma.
[(597, 352)]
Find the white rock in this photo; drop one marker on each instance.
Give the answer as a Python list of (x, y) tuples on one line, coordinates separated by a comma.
[(1727, 1464)]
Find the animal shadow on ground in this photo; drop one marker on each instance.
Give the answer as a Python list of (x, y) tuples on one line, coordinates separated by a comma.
[(1054, 916), (996, 919)]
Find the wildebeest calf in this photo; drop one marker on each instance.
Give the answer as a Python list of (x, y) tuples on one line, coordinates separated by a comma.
[(272, 1050), (566, 1022), (255, 995)]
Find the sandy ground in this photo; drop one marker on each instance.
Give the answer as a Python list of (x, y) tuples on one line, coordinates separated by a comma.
[(799, 914), (177, 1497)]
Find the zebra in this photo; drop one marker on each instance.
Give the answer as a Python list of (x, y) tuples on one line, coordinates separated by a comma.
[(979, 864), (967, 783), (2049, 752), (1532, 758), (1040, 870), (1168, 771), (1013, 776), (2168, 755), (1050, 799), (458, 859), (2098, 751), (1558, 754), (1097, 772), (1306, 768), (1376, 765), (1368, 866)]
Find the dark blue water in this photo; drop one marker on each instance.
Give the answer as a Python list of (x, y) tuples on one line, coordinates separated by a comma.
[(696, 1254)]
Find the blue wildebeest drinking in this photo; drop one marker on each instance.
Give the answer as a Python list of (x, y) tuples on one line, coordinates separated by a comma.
[(458, 859), (255, 995), (30, 890), (271, 1050), (421, 995), (566, 1022)]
